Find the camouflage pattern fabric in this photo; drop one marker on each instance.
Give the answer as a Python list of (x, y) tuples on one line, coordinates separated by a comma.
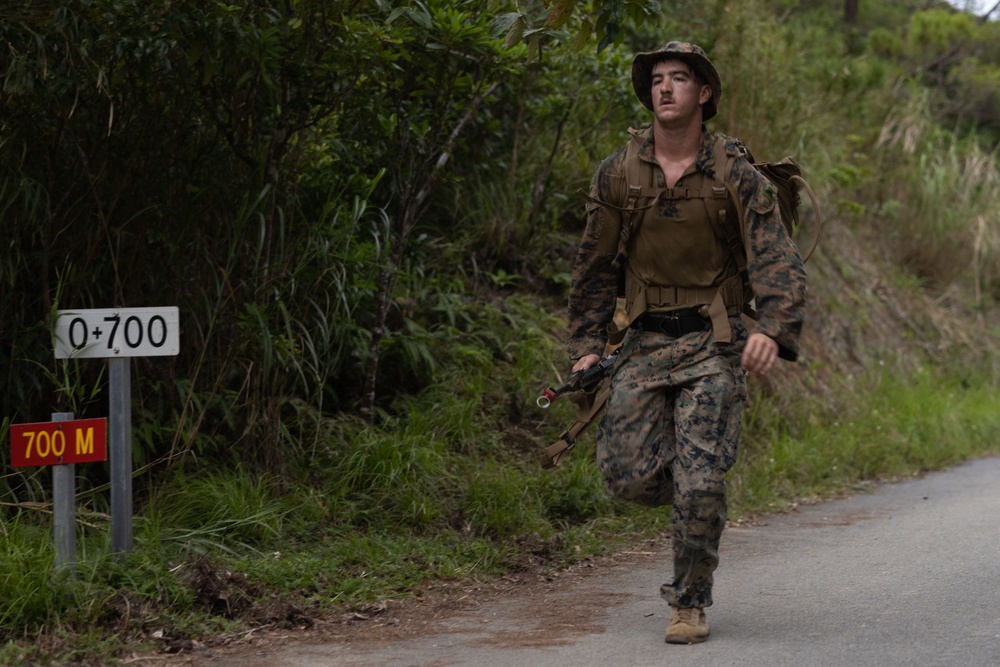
[(672, 423), (775, 268), (669, 434)]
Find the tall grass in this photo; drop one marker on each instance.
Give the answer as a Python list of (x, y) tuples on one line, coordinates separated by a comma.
[(950, 227), (900, 425)]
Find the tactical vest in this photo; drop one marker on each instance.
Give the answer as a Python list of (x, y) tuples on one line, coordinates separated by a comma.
[(682, 247)]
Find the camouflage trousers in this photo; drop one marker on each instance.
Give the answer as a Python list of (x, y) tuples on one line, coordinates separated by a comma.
[(669, 435)]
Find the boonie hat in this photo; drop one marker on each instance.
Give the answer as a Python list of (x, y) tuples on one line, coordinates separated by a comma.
[(693, 55)]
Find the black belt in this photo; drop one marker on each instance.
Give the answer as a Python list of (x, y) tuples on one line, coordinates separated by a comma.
[(675, 324)]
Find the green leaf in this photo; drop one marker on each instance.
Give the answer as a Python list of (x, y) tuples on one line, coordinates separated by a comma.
[(396, 13), (610, 35), (583, 36), (516, 32), (421, 18), (503, 23)]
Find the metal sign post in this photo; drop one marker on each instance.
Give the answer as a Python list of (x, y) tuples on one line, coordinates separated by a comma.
[(117, 334), (64, 508), (120, 407)]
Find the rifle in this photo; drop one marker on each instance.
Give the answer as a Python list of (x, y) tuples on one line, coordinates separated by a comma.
[(584, 381), (585, 384)]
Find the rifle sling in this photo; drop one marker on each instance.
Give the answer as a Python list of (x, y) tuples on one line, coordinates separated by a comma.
[(554, 453)]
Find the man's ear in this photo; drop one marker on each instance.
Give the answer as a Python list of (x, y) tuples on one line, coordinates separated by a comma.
[(706, 94)]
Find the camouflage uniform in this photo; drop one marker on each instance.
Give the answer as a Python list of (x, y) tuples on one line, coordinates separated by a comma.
[(672, 423)]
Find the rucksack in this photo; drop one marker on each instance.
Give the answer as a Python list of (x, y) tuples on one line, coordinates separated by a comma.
[(786, 176)]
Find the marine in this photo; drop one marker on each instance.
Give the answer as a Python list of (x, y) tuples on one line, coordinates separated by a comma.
[(682, 227)]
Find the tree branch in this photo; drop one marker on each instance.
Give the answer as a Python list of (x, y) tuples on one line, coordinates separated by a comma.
[(447, 150), (986, 17)]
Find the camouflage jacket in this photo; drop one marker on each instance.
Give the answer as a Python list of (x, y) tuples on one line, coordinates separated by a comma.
[(776, 273)]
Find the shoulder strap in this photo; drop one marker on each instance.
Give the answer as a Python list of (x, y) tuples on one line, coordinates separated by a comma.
[(638, 180), (733, 231)]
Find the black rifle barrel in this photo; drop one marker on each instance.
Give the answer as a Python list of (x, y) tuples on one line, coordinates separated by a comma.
[(580, 381)]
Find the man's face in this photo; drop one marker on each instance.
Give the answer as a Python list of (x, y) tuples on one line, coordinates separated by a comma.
[(677, 95)]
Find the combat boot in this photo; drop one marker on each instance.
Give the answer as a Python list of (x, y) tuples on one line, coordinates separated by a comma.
[(688, 626)]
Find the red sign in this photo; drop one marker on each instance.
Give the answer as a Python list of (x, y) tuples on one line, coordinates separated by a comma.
[(54, 443)]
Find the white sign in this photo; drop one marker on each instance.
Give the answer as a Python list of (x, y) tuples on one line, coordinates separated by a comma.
[(117, 332)]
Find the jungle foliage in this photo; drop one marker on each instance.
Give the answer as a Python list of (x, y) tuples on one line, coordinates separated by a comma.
[(365, 213)]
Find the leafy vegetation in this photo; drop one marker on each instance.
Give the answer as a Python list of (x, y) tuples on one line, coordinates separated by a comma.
[(365, 212)]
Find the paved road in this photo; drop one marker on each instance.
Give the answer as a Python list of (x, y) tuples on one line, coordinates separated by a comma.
[(906, 575)]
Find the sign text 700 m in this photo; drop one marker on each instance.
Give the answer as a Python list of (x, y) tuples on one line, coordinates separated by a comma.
[(54, 443)]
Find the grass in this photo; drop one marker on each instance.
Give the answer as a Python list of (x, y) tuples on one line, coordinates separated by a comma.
[(445, 488), (902, 426)]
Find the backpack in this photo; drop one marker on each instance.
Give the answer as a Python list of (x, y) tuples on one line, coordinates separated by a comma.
[(786, 176)]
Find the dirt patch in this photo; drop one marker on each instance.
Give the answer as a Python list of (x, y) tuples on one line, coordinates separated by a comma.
[(554, 622), (539, 609)]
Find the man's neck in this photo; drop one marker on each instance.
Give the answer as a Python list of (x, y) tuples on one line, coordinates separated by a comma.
[(677, 144), (675, 150)]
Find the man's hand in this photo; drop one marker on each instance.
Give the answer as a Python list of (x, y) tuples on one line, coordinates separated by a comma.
[(583, 363), (759, 354)]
